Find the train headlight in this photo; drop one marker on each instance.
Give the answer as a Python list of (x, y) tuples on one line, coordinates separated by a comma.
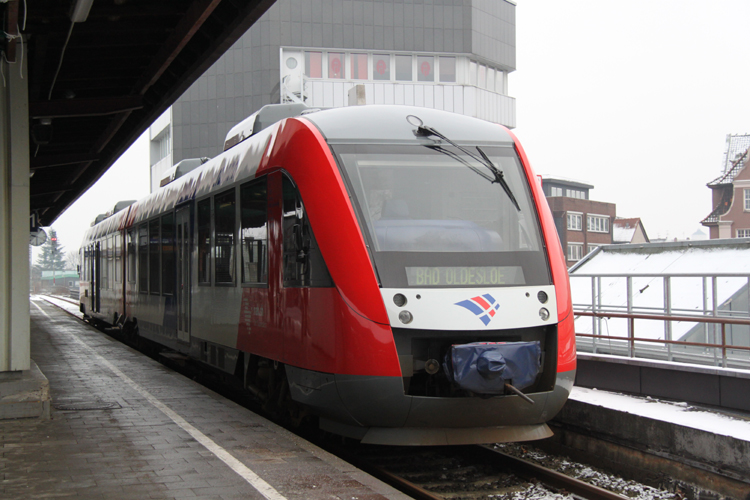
[(544, 314), (405, 317), (542, 296), (399, 299)]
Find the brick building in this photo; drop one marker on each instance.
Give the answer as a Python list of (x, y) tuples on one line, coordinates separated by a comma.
[(581, 223), (730, 193)]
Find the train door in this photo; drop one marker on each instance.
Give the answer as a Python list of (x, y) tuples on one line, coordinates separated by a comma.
[(96, 276), (183, 273)]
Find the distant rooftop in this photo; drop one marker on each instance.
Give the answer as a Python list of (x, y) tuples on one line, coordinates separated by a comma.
[(566, 181), (735, 157)]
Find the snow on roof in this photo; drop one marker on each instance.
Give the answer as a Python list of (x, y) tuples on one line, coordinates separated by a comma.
[(736, 146), (623, 230), (654, 259)]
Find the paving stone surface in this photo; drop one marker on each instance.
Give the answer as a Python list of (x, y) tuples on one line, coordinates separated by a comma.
[(109, 439)]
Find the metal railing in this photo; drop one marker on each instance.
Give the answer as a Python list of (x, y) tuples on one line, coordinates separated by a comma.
[(712, 331)]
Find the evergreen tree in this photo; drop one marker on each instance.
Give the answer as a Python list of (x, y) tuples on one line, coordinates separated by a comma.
[(52, 256)]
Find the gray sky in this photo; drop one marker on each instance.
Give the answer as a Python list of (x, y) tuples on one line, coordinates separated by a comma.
[(633, 97)]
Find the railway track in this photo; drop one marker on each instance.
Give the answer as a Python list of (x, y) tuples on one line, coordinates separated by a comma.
[(467, 473)]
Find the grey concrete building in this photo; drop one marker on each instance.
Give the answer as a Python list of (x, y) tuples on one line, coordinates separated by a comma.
[(446, 54)]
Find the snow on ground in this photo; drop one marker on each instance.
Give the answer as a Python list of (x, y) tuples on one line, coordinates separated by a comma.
[(677, 413)]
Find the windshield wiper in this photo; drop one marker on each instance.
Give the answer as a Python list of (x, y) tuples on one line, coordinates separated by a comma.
[(497, 174)]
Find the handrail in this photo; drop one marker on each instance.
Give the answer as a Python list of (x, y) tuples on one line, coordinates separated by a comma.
[(632, 339)]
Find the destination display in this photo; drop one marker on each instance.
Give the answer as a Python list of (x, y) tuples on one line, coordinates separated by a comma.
[(464, 276)]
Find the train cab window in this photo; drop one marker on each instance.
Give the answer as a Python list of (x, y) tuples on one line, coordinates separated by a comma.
[(131, 256), (303, 263), (143, 258), (254, 232), (153, 257), (167, 255), (118, 258), (204, 242), (224, 224)]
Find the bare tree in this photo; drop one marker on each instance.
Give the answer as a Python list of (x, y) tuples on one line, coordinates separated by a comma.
[(72, 260)]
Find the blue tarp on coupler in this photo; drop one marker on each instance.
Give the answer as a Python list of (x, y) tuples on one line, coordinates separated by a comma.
[(485, 367)]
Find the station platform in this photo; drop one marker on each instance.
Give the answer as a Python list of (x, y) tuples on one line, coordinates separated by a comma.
[(123, 426)]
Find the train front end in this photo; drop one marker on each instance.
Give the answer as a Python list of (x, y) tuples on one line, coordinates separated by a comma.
[(470, 274)]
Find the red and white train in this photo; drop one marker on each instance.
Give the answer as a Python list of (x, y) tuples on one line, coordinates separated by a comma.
[(393, 271)]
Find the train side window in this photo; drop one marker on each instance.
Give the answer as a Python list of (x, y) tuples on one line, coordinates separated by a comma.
[(224, 224), (131, 256), (143, 258), (204, 242), (153, 257), (118, 258), (167, 254), (303, 263), (254, 232), (104, 261)]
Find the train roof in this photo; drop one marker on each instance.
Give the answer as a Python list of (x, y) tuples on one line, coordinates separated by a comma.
[(370, 124), (388, 124)]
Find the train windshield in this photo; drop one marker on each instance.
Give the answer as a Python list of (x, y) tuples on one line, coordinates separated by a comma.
[(437, 217)]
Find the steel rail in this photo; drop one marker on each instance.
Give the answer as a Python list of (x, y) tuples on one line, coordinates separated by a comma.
[(551, 477)]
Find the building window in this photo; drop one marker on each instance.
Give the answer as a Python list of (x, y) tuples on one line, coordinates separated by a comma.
[(448, 69), (575, 251), (335, 65), (381, 66), (403, 68), (743, 233), (425, 70), (314, 64), (747, 200), (597, 224), (575, 221), (576, 193), (359, 66), (555, 191)]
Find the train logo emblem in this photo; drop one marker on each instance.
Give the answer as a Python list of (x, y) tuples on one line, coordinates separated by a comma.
[(484, 307)]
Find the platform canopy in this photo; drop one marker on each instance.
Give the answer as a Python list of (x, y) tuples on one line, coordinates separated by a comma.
[(101, 71)]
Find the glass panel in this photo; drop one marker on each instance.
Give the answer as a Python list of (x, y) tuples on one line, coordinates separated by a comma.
[(403, 68), (472, 73), (427, 207), (167, 254), (131, 256), (335, 65), (490, 79), (254, 232), (447, 69), (204, 241), (425, 69), (314, 64), (381, 66), (224, 217), (482, 76), (143, 258), (118, 258), (303, 264), (153, 257), (359, 66), (500, 82)]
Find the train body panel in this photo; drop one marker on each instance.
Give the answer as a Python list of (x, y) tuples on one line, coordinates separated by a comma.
[(355, 250)]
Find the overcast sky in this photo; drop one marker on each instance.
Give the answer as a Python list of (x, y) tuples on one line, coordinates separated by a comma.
[(633, 97)]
